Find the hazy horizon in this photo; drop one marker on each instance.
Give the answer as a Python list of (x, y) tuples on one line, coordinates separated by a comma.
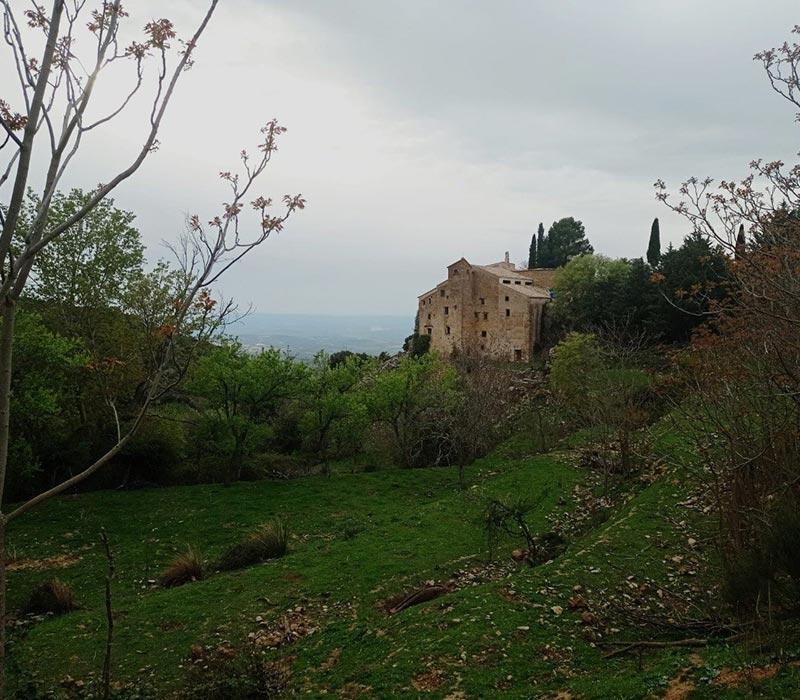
[(303, 335)]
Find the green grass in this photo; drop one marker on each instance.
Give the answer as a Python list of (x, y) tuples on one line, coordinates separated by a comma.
[(356, 540)]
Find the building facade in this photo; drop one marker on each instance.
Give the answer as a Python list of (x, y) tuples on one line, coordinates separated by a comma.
[(494, 310)]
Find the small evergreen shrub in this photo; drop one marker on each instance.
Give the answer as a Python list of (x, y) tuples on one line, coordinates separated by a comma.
[(270, 541), (184, 568), (52, 596)]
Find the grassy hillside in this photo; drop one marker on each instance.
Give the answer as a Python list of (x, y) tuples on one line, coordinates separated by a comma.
[(359, 540)]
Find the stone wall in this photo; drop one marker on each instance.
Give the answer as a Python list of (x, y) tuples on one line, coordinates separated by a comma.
[(474, 312)]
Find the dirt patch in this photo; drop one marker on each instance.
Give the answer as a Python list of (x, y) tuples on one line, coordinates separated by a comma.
[(331, 661), (485, 657), (286, 629), (429, 681), (354, 690), (59, 561), (680, 687), (171, 625), (730, 678)]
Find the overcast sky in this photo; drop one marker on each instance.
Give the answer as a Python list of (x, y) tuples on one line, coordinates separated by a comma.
[(421, 131)]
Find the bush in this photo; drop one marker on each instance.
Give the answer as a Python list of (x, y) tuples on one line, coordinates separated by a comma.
[(226, 672), (765, 572), (52, 596), (184, 568), (270, 541)]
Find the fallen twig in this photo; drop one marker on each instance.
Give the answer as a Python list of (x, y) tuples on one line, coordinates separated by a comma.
[(421, 596), (653, 644), (664, 644)]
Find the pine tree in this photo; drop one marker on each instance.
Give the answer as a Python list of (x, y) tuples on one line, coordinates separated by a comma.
[(532, 253), (540, 246), (654, 246), (565, 240)]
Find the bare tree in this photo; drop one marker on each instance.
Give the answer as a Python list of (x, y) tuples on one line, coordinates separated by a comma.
[(58, 85), (110, 574), (744, 374)]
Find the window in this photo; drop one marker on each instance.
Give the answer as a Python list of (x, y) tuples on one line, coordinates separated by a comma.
[(506, 298), (508, 312), (518, 355), (446, 310), (429, 317), (441, 292), (430, 331), (485, 315), (483, 334), (483, 347), (483, 301), (476, 315), (517, 282), (455, 272), (506, 281), (528, 284), (447, 330)]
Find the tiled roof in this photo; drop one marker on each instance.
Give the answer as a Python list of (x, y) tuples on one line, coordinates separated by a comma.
[(531, 292), (542, 278)]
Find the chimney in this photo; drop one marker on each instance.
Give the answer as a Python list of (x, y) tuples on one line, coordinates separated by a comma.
[(507, 259)]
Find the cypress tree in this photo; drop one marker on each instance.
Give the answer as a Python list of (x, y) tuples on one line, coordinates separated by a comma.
[(532, 253), (540, 246), (654, 246), (741, 242)]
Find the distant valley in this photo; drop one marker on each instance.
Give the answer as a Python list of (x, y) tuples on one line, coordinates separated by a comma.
[(303, 335)]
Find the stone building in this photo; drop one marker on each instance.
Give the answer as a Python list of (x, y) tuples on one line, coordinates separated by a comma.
[(494, 310)]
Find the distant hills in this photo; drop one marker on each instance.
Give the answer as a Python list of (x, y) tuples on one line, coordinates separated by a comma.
[(303, 335)]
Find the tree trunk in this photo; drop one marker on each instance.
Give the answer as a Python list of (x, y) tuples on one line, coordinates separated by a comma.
[(6, 352), (9, 312), (625, 452), (2, 606), (235, 466), (109, 616)]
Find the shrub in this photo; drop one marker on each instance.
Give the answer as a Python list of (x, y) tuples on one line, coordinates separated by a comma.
[(227, 672), (592, 381), (270, 541), (765, 572), (184, 568), (52, 596)]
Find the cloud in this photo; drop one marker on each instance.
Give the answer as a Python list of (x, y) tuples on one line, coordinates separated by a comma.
[(425, 130)]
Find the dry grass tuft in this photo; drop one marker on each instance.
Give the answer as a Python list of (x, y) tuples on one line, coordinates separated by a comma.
[(52, 596), (184, 568), (270, 541)]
